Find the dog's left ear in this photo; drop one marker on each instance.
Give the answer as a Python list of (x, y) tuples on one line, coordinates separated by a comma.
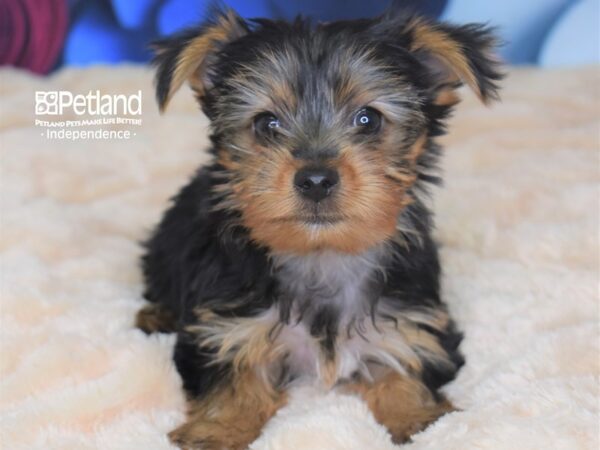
[(190, 55), (454, 55)]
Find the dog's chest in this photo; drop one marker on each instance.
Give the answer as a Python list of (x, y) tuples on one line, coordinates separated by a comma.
[(326, 297), (328, 281)]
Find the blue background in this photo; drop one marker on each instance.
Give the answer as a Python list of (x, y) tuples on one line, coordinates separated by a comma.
[(543, 32)]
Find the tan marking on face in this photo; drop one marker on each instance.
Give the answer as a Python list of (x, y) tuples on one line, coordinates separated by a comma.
[(282, 94), (367, 203), (401, 176), (225, 159), (352, 90), (365, 207), (417, 149), (406, 176)]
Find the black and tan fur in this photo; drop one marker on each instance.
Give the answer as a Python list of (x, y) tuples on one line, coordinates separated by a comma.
[(267, 289)]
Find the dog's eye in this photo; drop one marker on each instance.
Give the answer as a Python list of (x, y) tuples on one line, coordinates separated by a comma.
[(266, 124), (367, 120)]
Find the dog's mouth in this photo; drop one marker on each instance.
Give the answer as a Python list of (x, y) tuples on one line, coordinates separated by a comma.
[(312, 219), (317, 214)]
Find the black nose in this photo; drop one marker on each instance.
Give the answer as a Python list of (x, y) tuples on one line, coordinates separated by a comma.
[(316, 183)]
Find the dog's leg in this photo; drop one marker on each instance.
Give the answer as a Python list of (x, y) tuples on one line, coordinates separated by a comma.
[(403, 405), (231, 417), (155, 318)]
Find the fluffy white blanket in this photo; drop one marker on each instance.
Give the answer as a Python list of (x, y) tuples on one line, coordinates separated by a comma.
[(517, 221)]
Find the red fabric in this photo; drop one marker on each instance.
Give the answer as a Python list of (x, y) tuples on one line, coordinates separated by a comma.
[(32, 33)]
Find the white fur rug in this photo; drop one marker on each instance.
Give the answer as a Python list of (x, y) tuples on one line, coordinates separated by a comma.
[(518, 221)]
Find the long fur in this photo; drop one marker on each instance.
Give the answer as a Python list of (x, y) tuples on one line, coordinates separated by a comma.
[(253, 289)]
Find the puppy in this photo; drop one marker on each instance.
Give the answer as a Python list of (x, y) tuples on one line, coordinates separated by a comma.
[(303, 253)]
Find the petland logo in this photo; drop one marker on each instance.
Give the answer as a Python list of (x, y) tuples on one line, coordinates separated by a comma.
[(54, 103), (116, 112)]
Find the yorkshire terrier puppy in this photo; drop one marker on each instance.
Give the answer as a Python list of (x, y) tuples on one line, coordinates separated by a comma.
[(303, 253)]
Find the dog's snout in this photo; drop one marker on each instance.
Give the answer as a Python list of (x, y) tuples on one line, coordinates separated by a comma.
[(316, 183)]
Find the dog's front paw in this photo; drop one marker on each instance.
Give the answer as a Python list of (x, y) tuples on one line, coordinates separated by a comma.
[(412, 422), (206, 435)]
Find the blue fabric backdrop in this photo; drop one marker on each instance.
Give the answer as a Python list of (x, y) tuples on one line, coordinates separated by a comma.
[(548, 32)]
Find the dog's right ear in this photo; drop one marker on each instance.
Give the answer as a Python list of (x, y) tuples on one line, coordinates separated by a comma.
[(188, 56)]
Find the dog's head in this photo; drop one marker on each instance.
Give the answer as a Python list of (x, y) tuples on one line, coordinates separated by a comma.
[(323, 132)]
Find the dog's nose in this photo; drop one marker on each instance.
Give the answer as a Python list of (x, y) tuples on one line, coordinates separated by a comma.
[(316, 183)]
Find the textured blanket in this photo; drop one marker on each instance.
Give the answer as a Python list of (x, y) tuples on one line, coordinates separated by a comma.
[(518, 224)]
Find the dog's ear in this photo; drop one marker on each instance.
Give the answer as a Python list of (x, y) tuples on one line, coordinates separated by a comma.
[(188, 56), (457, 54)]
